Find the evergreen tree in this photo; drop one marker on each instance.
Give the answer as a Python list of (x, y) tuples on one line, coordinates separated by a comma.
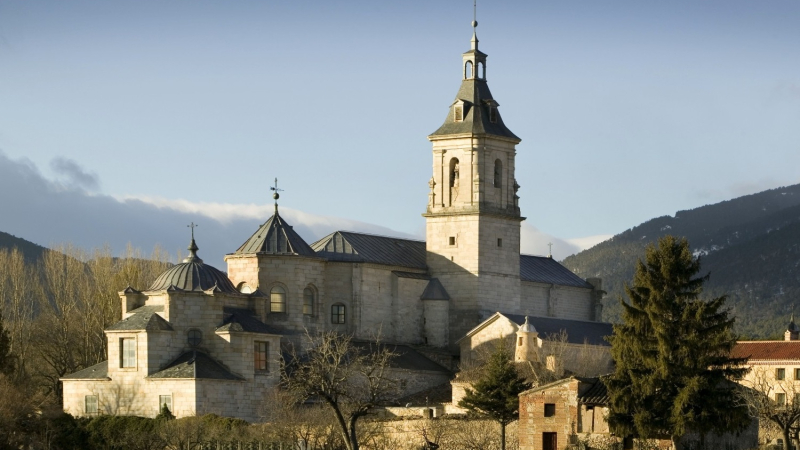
[(6, 357), (673, 371), (496, 393)]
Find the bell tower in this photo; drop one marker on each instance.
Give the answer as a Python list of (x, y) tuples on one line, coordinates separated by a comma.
[(473, 217)]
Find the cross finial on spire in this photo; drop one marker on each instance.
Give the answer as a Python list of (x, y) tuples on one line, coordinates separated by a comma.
[(193, 246), (276, 196), (474, 40)]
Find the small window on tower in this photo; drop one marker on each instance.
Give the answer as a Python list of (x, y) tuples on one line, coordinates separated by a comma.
[(499, 242), (458, 113), (519, 341), (493, 114), (452, 240)]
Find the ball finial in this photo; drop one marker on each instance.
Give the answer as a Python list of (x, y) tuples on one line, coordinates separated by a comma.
[(276, 196), (474, 24)]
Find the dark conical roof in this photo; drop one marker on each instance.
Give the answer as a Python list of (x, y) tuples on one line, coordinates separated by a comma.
[(276, 237), (477, 99), (193, 275)]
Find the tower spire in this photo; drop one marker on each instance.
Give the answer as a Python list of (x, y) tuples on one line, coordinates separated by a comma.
[(193, 248), (474, 40)]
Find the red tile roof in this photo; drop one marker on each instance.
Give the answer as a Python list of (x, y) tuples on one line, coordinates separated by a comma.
[(767, 350)]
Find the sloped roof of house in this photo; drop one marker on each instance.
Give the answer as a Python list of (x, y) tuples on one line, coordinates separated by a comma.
[(369, 248), (597, 394), (767, 350), (98, 371), (405, 357), (243, 320), (543, 269), (578, 331), (195, 364), (435, 291), (143, 318)]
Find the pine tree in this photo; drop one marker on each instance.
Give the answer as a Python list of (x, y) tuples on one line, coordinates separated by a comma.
[(496, 393), (673, 370)]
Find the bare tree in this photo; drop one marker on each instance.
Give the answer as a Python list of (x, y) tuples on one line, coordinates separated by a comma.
[(18, 286), (350, 377), (305, 426), (773, 400)]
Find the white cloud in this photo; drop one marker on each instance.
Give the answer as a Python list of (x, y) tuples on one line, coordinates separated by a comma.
[(587, 242), (75, 175)]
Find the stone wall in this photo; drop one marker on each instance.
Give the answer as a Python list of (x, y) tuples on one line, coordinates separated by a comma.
[(547, 300)]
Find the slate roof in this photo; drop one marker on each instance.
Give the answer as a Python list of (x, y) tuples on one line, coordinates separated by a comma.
[(143, 318), (435, 291), (412, 275), (195, 364), (193, 275), (767, 350), (406, 357), (369, 248), (477, 98), (244, 320), (275, 237), (543, 269), (597, 394), (96, 372), (578, 331)]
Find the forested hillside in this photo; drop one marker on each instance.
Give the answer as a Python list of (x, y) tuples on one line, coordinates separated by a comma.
[(750, 245), (31, 251)]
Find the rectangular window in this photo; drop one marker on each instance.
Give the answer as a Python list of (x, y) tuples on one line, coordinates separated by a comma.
[(549, 409), (164, 400), (337, 314), (519, 341), (797, 374), (261, 351), (780, 398), (499, 242), (459, 113), (451, 240), (127, 354), (780, 374), (90, 407), (493, 114)]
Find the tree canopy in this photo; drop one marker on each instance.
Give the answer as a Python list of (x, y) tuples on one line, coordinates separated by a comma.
[(673, 371), (496, 393)]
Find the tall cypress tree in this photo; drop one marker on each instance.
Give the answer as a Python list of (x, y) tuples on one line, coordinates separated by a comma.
[(496, 393), (7, 361), (673, 371)]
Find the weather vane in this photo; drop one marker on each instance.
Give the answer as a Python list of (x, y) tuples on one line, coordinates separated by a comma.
[(474, 13), (276, 196)]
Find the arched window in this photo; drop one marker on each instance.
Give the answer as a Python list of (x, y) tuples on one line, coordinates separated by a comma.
[(337, 313), (481, 72), (308, 301), (277, 300), (498, 173), (453, 172), (244, 288), (468, 69)]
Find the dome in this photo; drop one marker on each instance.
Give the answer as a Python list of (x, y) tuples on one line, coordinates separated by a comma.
[(276, 237), (527, 327), (792, 327), (193, 275)]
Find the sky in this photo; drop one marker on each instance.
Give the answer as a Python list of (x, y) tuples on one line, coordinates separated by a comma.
[(124, 121)]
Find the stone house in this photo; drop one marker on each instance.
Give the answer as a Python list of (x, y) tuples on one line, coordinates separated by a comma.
[(213, 339), (572, 412)]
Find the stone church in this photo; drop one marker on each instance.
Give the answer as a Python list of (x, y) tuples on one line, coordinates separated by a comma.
[(203, 341)]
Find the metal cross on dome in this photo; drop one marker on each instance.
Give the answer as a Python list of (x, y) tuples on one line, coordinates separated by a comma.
[(192, 226)]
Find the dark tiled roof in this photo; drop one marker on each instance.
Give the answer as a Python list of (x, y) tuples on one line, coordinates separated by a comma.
[(276, 237), (412, 275), (96, 372), (368, 248), (244, 320), (195, 365), (578, 331), (405, 357), (477, 98), (542, 269), (767, 350), (435, 291), (193, 275), (442, 393), (596, 394), (143, 318)]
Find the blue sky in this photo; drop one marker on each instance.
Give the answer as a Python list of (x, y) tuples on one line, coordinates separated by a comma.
[(627, 110)]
